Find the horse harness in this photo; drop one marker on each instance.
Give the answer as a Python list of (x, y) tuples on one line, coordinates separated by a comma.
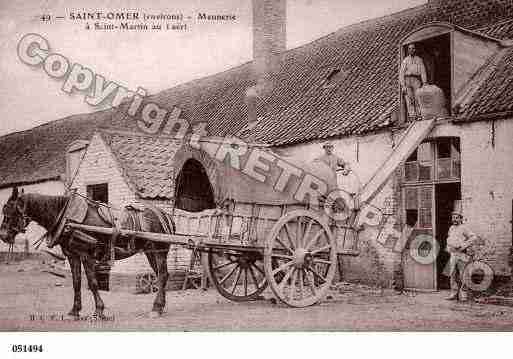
[(75, 211), (20, 228)]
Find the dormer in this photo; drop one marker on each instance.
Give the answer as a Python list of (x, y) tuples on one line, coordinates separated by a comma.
[(452, 56)]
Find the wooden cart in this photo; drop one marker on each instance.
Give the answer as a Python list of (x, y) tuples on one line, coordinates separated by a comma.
[(265, 238), (249, 246)]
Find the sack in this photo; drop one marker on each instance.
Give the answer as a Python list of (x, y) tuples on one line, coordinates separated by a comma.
[(431, 100)]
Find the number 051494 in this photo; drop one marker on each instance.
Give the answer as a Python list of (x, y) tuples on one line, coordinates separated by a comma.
[(23, 348)]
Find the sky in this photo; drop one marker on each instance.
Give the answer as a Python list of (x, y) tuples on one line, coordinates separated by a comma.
[(153, 60)]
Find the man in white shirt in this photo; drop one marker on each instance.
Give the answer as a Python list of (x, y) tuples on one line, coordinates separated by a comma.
[(459, 238), (412, 76), (329, 158)]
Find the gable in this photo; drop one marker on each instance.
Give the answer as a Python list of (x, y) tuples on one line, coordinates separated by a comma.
[(99, 166)]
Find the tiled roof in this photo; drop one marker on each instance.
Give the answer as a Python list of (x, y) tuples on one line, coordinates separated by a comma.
[(38, 154), (500, 30), (145, 161), (496, 94), (299, 108)]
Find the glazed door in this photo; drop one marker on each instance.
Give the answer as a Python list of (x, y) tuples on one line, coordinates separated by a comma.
[(419, 261)]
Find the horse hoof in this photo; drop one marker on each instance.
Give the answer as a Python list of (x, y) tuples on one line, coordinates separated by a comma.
[(155, 315)]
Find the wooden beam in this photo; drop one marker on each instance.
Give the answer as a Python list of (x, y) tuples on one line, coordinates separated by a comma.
[(413, 136)]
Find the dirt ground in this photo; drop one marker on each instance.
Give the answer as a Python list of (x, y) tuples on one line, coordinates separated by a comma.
[(37, 301)]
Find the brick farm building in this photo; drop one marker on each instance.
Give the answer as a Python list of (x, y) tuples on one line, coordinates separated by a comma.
[(343, 87)]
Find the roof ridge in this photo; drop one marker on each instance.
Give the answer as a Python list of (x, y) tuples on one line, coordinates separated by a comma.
[(128, 132), (353, 26), (500, 23), (52, 122), (349, 27)]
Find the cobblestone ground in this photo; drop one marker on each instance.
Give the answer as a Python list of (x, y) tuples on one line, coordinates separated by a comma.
[(26, 291)]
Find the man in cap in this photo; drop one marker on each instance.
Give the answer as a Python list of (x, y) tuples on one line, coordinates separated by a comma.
[(339, 168), (332, 160), (459, 238)]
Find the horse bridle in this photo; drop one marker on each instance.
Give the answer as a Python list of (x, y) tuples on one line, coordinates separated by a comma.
[(20, 228)]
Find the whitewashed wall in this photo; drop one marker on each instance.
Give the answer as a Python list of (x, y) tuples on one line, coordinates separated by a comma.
[(376, 264), (487, 185), (486, 181), (99, 166)]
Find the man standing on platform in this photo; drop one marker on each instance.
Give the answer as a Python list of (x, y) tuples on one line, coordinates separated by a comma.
[(412, 76)]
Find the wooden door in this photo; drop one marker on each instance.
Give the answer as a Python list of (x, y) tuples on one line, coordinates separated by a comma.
[(419, 261)]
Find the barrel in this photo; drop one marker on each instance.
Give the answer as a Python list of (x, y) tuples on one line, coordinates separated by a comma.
[(102, 272)]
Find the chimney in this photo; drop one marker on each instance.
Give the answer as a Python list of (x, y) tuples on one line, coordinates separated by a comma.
[(269, 35), (269, 41)]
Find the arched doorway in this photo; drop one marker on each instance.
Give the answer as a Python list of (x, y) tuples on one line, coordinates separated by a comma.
[(193, 192)]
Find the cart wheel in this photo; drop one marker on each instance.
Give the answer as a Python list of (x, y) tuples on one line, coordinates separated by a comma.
[(238, 276), (300, 258), (147, 283)]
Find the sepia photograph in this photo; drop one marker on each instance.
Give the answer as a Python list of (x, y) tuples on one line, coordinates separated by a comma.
[(255, 166)]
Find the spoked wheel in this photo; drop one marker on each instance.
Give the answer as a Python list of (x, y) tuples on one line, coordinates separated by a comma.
[(300, 258), (238, 276)]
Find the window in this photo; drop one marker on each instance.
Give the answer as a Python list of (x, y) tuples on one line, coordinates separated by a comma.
[(98, 192), (444, 147), (418, 205), (434, 160), (448, 158), (419, 166), (425, 159)]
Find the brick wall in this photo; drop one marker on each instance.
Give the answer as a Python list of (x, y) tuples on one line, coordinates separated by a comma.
[(487, 185)]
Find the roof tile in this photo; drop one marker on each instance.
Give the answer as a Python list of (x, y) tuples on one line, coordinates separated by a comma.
[(146, 162), (298, 109)]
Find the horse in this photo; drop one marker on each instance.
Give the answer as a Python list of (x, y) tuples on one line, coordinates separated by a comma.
[(46, 210)]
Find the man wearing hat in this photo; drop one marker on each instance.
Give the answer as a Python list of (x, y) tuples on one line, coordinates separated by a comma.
[(332, 160), (459, 238)]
